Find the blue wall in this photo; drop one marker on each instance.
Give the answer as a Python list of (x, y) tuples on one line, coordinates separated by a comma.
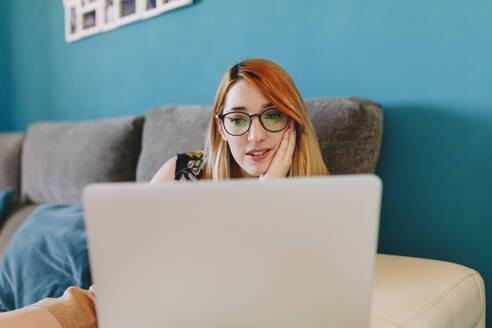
[(4, 64), (427, 62)]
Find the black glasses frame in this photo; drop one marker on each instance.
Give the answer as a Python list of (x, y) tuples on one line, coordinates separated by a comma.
[(222, 116)]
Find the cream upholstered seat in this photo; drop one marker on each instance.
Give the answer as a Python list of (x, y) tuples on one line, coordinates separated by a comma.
[(414, 292)]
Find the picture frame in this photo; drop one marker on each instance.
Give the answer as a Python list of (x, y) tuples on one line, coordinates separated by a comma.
[(88, 17)]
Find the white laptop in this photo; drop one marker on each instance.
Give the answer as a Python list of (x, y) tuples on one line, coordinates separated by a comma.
[(287, 253)]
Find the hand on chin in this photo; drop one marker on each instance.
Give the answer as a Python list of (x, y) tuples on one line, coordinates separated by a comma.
[(282, 159)]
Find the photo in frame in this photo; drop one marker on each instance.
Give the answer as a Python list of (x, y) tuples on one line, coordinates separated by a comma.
[(88, 17)]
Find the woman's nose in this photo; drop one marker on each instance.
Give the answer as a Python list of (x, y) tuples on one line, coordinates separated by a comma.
[(257, 132)]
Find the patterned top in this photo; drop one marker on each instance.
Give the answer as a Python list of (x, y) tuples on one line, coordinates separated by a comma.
[(189, 166)]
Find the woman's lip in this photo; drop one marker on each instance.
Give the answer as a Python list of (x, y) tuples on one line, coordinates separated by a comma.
[(258, 157), (257, 150)]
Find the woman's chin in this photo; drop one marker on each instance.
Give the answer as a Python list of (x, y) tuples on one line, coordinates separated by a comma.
[(253, 169), (252, 172)]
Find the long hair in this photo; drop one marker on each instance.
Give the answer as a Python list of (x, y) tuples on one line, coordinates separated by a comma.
[(277, 86)]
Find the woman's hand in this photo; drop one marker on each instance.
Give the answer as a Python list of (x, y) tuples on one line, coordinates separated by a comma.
[(282, 159)]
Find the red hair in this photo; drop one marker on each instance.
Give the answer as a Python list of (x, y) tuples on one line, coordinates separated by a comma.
[(277, 86)]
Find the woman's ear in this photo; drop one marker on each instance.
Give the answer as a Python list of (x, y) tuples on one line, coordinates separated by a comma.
[(218, 122)]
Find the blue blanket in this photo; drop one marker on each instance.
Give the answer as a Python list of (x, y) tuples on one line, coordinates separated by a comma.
[(47, 254)]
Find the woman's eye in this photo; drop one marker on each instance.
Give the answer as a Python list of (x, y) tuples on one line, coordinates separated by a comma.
[(274, 114), (237, 121)]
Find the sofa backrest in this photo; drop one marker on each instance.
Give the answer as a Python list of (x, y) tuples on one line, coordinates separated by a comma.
[(60, 158), (166, 133), (349, 131), (10, 157)]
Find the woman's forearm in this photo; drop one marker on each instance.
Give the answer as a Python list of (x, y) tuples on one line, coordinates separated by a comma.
[(28, 317)]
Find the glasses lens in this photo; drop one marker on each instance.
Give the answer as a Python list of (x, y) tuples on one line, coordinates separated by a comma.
[(274, 120), (236, 123)]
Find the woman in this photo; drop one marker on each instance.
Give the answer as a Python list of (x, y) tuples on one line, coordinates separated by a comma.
[(259, 129), (280, 142)]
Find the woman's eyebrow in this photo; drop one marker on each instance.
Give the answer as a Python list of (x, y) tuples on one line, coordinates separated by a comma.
[(242, 108), (268, 105)]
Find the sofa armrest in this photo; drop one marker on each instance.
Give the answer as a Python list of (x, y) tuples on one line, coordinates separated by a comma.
[(415, 292)]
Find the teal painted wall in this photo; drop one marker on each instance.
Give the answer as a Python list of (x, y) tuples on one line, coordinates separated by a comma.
[(427, 62), (5, 66)]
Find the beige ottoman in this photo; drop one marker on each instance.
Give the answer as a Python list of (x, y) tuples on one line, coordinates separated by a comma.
[(414, 292)]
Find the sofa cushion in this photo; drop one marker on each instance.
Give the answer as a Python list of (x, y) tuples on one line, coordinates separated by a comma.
[(16, 217), (349, 132), (165, 134), (10, 154), (60, 158), (5, 203)]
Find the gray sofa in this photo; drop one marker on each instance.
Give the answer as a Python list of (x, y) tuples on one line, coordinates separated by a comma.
[(53, 161)]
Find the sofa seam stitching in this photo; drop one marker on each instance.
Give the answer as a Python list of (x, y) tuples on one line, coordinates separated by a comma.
[(436, 300), (386, 319), (482, 297)]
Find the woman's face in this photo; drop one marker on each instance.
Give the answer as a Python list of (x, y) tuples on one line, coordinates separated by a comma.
[(254, 150)]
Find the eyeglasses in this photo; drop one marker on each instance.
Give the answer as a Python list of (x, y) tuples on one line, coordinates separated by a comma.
[(238, 123)]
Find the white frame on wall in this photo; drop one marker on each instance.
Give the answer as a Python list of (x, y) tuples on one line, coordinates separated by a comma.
[(88, 17)]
